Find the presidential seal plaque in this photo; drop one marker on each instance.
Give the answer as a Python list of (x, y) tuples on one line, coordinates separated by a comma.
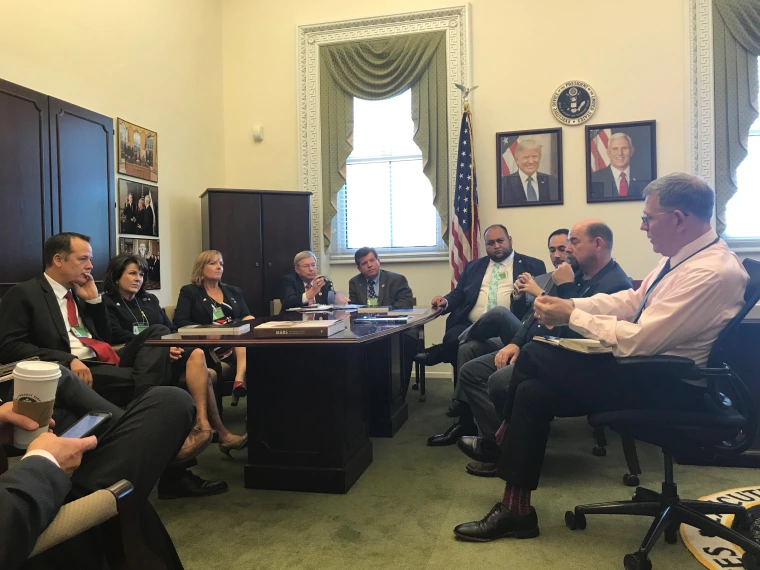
[(574, 102)]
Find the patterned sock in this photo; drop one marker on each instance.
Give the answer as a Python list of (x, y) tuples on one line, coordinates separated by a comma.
[(500, 432), (517, 500)]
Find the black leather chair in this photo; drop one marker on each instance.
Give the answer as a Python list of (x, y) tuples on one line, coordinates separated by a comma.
[(727, 431)]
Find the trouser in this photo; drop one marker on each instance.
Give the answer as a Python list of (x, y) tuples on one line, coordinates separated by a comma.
[(140, 367), (548, 382), (484, 388)]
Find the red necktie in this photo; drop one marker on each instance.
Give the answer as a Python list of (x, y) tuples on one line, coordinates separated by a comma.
[(102, 350), (623, 187)]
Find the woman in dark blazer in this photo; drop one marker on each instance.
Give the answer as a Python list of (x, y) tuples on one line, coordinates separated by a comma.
[(130, 308), (207, 300)]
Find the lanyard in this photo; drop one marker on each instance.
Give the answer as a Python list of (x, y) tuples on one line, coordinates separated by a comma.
[(145, 319)]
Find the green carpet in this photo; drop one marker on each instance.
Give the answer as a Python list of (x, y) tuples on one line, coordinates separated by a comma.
[(401, 512)]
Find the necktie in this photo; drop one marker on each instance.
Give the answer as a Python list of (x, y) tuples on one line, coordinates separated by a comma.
[(532, 196), (308, 286), (623, 186), (493, 287), (371, 294), (102, 350), (643, 304)]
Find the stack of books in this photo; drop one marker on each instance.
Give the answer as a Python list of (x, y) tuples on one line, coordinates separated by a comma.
[(232, 328), (303, 329)]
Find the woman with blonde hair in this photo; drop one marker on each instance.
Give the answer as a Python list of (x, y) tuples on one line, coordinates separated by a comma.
[(207, 300)]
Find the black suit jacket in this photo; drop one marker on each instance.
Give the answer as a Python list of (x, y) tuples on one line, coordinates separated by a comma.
[(610, 279), (463, 298), (513, 192), (195, 307), (394, 290), (31, 493), (31, 323), (603, 184), (292, 290)]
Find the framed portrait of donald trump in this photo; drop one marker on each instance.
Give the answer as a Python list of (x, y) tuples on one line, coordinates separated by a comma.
[(621, 159), (529, 168)]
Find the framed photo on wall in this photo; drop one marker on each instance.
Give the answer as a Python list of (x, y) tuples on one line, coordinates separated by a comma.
[(621, 159), (138, 151), (529, 168), (138, 208), (148, 250)]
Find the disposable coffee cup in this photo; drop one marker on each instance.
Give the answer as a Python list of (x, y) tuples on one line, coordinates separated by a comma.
[(34, 386)]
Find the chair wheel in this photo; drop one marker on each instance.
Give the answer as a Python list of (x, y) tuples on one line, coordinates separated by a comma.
[(637, 561), (575, 521), (750, 561), (599, 451), (742, 522), (421, 398), (671, 534), (630, 480), (415, 387)]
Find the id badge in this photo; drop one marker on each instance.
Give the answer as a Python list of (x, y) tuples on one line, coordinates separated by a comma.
[(137, 328), (502, 276), (79, 332), (372, 302), (217, 314)]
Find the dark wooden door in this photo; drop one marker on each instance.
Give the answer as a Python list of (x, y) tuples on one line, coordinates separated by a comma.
[(235, 230), (24, 183), (81, 159), (285, 232)]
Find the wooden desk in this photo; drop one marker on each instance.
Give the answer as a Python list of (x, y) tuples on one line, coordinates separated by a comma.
[(313, 403)]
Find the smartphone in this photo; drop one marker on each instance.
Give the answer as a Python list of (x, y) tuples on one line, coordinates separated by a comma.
[(87, 425)]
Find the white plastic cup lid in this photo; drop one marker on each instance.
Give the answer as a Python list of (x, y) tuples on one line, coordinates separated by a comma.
[(36, 370)]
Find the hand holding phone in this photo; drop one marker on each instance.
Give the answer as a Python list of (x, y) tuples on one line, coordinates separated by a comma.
[(87, 425)]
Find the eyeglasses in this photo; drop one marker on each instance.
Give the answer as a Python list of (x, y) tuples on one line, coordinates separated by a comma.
[(646, 218)]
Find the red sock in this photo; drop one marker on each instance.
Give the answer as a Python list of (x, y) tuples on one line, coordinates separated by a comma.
[(500, 432), (517, 500)]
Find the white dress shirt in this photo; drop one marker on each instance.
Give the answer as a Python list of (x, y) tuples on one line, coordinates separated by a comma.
[(616, 175), (42, 453), (504, 292), (685, 312), (79, 350), (534, 179)]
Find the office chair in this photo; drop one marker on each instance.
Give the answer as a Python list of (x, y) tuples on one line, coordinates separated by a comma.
[(727, 431), (419, 369)]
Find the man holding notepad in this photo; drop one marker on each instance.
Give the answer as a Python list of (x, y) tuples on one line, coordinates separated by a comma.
[(680, 309)]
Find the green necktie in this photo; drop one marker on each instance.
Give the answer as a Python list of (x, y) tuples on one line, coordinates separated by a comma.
[(493, 288)]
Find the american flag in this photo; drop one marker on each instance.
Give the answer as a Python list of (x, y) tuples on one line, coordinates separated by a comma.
[(465, 225), (508, 164), (599, 157)]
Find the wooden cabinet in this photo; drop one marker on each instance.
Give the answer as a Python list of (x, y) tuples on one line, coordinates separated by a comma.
[(258, 232), (56, 174)]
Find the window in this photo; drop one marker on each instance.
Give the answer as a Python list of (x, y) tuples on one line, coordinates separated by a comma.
[(741, 211), (386, 202)]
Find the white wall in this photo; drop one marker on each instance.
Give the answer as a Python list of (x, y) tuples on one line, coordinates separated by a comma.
[(156, 64), (521, 52)]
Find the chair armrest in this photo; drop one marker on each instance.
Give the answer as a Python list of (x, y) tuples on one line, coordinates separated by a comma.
[(661, 365), (83, 514)]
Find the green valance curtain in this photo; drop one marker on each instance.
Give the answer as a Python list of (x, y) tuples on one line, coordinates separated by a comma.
[(736, 47), (379, 69)]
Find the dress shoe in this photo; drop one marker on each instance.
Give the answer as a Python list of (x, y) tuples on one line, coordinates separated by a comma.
[(500, 522), (481, 469), (451, 435), (454, 409), (189, 485), (195, 443), (239, 443), (430, 357), (479, 448)]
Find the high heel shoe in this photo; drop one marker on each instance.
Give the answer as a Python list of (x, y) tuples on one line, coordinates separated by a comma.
[(239, 444), (238, 391)]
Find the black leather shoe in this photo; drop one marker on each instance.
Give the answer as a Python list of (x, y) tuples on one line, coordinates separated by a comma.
[(479, 448), (189, 485), (454, 409), (481, 469), (500, 522), (432, 356), (451, 435)]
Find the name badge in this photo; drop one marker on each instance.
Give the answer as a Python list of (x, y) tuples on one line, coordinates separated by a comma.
[(372, 302), (137, 328), (502, 276), (217, 314), (79, 332)]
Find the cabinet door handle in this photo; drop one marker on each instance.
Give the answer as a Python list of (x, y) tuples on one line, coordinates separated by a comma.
[(257, 264), (269, 264)]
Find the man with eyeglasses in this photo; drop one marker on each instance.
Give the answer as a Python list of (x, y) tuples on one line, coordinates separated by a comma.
[(304, 287), (680, 309)]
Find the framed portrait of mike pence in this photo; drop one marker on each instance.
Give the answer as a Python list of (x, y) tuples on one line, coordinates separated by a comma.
[(529, 168), (621, 159)]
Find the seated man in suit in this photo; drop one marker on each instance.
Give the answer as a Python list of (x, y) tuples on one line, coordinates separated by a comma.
[(60, 317), (680, 309), (485, 381), (485, 283), (304, 287), (528, 185), (493, 331), (137, 445), (385, 288), (617, 179)]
